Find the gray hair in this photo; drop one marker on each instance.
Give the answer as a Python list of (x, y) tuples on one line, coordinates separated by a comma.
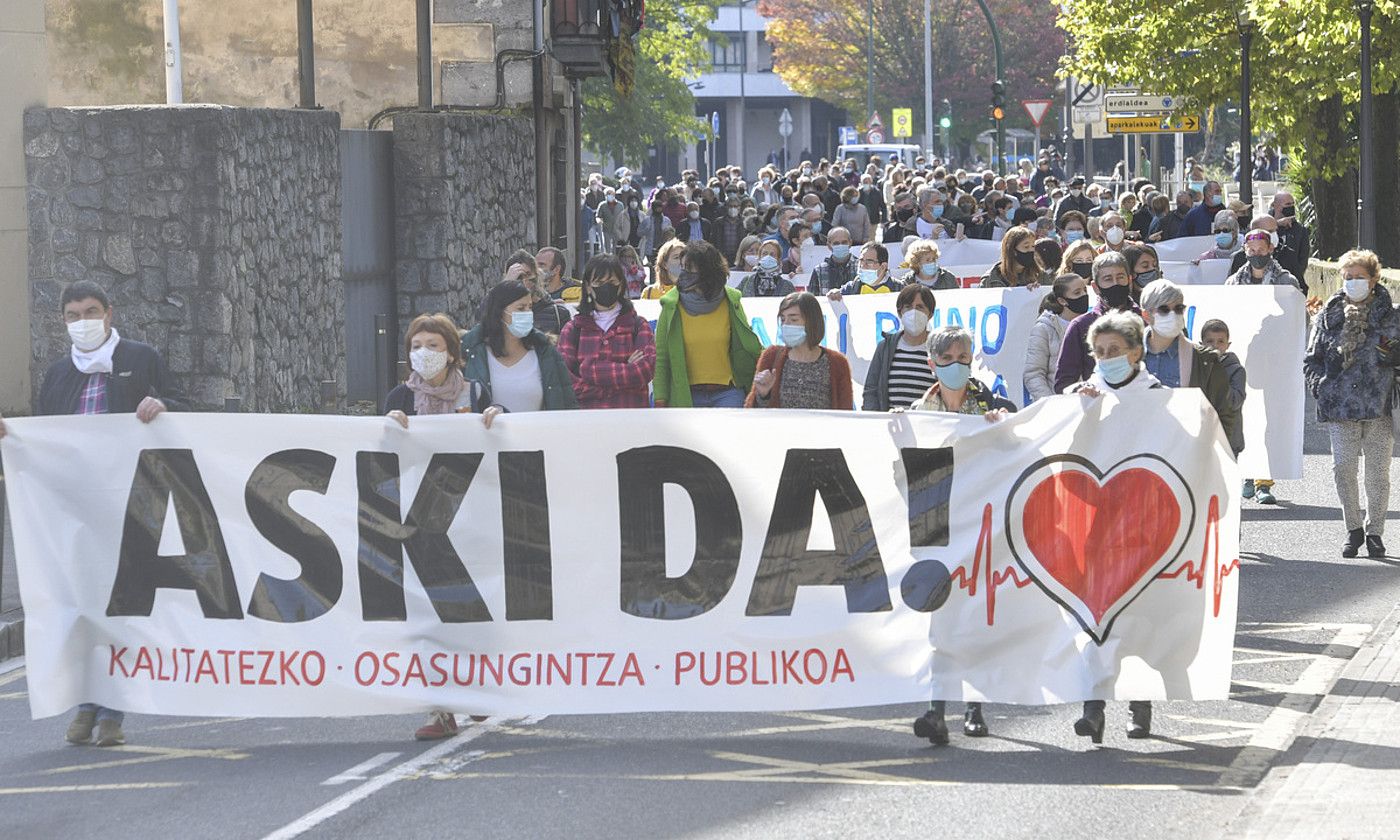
[(1125, 325), (1226, 219), (1109, 259), (942, 340), (1161, 293)]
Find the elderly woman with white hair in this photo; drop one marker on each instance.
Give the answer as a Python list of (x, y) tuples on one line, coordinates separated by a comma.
[(957, 391), (1177, 362), (921, 258), (1227, 237)]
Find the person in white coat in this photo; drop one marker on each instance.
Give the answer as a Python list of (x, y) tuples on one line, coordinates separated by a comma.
[(613, 222), (1067, 299)]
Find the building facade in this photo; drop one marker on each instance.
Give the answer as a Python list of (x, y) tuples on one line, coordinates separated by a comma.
[(24, 66), (749, 99)]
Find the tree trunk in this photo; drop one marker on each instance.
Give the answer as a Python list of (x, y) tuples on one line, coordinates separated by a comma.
[(1386, 135), (1334, 200)]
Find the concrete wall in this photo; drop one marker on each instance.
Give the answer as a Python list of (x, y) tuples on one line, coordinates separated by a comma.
[(1324, 279), (463, 190), (24, 67), (215, 230)]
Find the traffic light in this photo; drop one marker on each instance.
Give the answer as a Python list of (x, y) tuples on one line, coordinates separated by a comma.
[(945, 119), (998, 100)]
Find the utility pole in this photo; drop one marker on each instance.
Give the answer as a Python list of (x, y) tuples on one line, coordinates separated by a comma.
[(1366, 202), (306, 55), (870, 57), (928, 72), (174, 79), (1246, 27), (999, 83)]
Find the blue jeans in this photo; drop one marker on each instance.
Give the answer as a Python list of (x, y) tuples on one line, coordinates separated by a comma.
[(727, 398), (103, 713)]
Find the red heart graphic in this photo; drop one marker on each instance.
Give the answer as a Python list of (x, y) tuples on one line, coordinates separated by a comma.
[(1099, 540)]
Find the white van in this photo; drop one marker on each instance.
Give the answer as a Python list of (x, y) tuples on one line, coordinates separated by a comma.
[(862, 152)]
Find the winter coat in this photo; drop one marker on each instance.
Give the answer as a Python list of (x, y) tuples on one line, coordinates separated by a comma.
[(1076, 363), (1202, 367), (614, 224), (946, 280), (832, 275), (774, 358), (1046, 336), (554, 376), (672, 383), (1359, 392), (599, 363), (855, 219), (653, 235), (748, 287), (995, 279), (138, 371)]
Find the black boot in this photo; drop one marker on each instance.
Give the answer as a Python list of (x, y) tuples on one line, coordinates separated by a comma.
[(1355, 537), (1375, 549), (973, 724), (1141, 727), (932, 725), (1091, 724)]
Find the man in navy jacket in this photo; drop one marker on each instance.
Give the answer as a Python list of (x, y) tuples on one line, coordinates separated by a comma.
[(102, 374)]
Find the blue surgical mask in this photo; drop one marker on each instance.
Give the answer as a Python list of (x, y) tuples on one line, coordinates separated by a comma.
[(869, 276), (929, 269), (938, 211), (792, 335), (1073, 236), (841, 252), (953, 376), (521, 323), (1224, 240), (768, 262), (1115, 371), (1215, 200)]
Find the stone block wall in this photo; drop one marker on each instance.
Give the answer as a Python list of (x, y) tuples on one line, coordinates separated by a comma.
[(464, 200), (216, 232)]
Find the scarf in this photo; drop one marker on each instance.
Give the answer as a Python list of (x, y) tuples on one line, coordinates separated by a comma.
[(436, 399), (1356, 319), (767, 282), (99, 359), (695, 303)]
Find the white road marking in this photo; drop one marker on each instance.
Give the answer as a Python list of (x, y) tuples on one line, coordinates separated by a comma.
[(1283, 724), (367, 789), (360, 772)]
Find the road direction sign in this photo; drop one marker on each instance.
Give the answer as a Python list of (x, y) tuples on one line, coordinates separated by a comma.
[(1154, 125), (903, 122), (1037, 109), (785, 123), (1140, 103), (848, 135)]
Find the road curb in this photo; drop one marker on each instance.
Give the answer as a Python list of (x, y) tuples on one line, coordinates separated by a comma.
[(1382, 641)]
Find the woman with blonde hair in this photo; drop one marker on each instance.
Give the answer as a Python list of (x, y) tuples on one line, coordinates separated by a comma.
[(1020, 263), (921, 258), (668, 270), (1079, 259), (746, 258)]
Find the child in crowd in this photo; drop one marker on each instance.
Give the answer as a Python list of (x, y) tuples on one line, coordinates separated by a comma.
[(1215, 334)]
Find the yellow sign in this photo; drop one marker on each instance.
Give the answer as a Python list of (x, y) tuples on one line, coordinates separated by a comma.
[(903, 122), (1164, 124)]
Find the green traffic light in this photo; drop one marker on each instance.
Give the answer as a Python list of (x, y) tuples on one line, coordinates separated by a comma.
[(945, 122)]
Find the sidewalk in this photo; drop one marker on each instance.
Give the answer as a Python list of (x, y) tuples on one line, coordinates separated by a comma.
[(11, 617), (1346, 782)]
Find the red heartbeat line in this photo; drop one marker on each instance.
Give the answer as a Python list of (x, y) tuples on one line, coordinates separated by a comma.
[(1197, 573), (981, 574), (992, 580)]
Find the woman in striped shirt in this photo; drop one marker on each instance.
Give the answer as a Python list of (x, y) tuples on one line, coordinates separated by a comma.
[(899, 372)]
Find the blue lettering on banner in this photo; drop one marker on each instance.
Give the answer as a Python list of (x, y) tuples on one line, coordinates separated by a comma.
[(844, 331), (989, 347), (1191, 322), (881, 318), (761, 331)]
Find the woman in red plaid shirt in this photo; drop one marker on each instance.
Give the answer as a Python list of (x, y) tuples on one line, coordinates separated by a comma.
[(608, 348)]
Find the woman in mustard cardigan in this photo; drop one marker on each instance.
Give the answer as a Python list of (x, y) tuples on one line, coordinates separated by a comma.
[(798, 372)]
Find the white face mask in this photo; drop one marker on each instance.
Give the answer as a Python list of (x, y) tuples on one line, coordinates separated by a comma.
[(1356, 288), (1113, 235), (1076, 192), (914, 322), (1167, 326), (88, 335), (427, 362)]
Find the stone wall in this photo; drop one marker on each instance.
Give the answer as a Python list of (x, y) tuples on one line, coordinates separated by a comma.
[(215, 230), (464, 200)]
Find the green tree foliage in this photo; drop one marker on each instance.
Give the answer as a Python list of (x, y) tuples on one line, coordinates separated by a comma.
[(1305, 58), (672, 47)]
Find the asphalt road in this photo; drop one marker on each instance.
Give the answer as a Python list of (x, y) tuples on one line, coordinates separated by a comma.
[(1304, 611)]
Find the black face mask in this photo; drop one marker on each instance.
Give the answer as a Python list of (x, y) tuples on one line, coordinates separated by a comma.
[(1288, 212), (905, 214), (1115, 296), (1026, 258), (606, 296), (1260, 261), (1078, 305), (1085, 270), (1147, 277)]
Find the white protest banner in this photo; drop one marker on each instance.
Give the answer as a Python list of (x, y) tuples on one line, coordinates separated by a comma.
[(1183, 249), (1266, 323), (1204, 273), (610, 561)]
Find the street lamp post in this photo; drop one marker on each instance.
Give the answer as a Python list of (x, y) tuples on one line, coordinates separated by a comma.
[(1366, 202), (1246, 27), (1001, 75)]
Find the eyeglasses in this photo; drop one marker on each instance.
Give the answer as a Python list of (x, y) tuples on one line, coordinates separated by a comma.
[(864, 263), (1179, 309)]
